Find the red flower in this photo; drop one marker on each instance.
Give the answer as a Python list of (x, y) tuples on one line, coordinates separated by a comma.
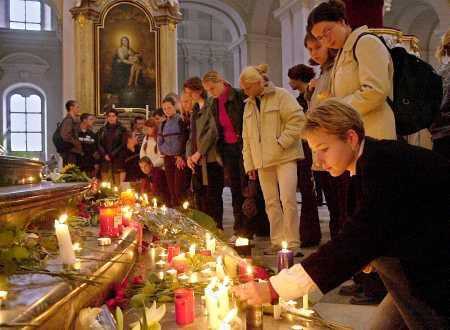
[(138, 280), (260, 273)]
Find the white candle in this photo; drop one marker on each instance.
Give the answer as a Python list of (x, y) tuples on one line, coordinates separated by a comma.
[(161, 275), (172, 272), (284, 246), (231, 315), (212, 305), (211, 244), (3, 296), (77, 247), (220, 273), (277, 312), (241, 241), (164, 209), (155, 203), (161, 263), (224, 300), (192, 250), (64, 241), (186, 205), (305, 302)]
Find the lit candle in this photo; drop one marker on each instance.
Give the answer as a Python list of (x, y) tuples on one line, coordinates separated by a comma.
[(64, 241), (115, 189), (192, 250), (231, 315), (224, 300), (3, 296), (220, 273), (106, 219), (305, 302), (246, 272), (164, 209), (161, 263), (242, 246), (30, 179), (171, 272), (277, 312), (161, 275), (126, 215), (212, 304), (186, 205), (184, 306), (285, 257), (155, 203), (128, 197), (163, 255), (241, 241), (77, 247), (210, 243)]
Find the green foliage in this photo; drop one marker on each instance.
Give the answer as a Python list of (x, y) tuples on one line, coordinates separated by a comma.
[(205, 221), (72, 173)]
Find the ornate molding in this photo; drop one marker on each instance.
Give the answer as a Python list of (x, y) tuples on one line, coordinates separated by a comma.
[(85, 10)]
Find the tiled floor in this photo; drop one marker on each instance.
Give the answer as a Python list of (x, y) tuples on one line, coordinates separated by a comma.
[(331, 306)]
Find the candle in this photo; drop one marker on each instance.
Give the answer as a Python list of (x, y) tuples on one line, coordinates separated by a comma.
[(285, 257), (64, 241), (128, 197), (277, 312), (305, 302), (171, 272), (184, 306), (106, 220), (231, 315), (242, 246), (212, 304), (161, 263), (163, 255), (118, 228), (126, 215), (172, 251), (241, 241), (183, 277), (115, 189), (102, 241), (164, 209), (186, 205), (161, 275), (254, 317), (224, 300), (210, 243), (180, 263), (246, 272), (220, 273), (77, 247), (3, 296), (155, 203), (192, 250)]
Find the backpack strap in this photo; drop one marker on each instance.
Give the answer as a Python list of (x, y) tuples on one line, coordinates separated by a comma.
[(364, 34)]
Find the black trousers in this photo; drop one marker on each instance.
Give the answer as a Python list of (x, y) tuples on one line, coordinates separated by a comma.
[(309, 215), (208, 199), (234, 168)]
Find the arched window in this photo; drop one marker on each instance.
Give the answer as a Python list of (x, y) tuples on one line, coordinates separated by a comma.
[(25, 120), (29, 15)]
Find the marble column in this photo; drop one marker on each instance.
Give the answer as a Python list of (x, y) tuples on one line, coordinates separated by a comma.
[(84, 57), (293, 16), (168, 57)]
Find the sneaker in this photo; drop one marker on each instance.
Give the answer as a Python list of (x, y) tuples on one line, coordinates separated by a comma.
[(272, 250)]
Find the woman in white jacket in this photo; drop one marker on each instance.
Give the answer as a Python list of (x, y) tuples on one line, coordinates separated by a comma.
[(149, 146), (363, 71), (271, 146)]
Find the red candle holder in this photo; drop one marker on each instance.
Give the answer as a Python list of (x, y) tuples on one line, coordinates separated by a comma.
[(172, 251), (106, 219), (184, 306)]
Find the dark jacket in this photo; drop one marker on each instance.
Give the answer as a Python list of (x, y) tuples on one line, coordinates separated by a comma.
[(88, 140), (69, 133), (235, 109), (131, 164), (111, 141), (402, 211)]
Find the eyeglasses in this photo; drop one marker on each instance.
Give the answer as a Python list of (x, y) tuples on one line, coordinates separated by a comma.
[(325, 33)]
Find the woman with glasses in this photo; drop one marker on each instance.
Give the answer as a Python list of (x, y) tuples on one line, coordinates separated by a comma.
[(363, 70)]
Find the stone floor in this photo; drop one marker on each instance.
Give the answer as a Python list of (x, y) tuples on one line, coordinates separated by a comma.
[(331, 306)]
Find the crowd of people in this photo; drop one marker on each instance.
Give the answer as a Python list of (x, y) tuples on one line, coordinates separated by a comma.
[(250, 138)]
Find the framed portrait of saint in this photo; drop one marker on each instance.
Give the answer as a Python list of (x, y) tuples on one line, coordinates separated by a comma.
[(127, 58)]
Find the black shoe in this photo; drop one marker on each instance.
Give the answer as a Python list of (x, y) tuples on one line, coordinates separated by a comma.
[(362, 299), (350, 290)]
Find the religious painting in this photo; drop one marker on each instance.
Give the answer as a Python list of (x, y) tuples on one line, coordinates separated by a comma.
[(126, 58)]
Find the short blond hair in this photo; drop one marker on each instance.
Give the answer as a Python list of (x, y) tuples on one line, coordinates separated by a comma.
[(212, 76), (444, 47), (335, 117), (254, 74)]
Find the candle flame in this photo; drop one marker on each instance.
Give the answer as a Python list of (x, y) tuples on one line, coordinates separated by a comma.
[(115, 189), (30, 179), (76, 247), (249, 270), (62, 218), (3, 294), (284, 245), (186, 205)]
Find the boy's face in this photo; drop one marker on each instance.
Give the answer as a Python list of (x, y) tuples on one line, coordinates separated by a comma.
[(146, 168)]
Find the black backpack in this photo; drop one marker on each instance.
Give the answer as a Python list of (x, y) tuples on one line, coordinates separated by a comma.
[(417, 90), (60, 145)]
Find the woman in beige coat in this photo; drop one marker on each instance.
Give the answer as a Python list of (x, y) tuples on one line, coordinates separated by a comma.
[(364, 82), (271, 145)]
